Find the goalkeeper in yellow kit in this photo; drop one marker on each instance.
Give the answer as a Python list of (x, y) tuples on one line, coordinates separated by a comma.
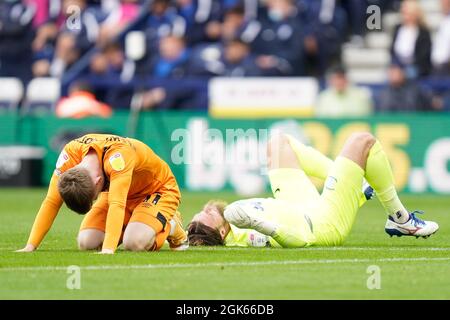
[(297, 215)]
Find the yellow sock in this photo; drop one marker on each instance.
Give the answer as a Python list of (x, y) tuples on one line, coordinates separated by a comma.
[(379, 175)]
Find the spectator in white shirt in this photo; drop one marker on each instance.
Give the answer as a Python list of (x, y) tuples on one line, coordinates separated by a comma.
[(440, 55), (411, 47)]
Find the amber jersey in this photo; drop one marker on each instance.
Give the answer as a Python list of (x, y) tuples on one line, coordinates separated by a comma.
[(131, 170)]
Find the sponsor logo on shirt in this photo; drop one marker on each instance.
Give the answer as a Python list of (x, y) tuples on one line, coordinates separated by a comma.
[(257, 239), (117, 161), (63, 158)]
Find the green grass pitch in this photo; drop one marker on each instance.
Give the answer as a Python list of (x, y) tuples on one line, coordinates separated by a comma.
[(410, 268)]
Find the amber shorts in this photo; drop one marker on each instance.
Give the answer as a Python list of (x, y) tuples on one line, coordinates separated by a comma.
[(154, 210)]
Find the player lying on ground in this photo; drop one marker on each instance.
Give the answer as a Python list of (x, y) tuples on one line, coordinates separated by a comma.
[(298, 215), (138, 196)]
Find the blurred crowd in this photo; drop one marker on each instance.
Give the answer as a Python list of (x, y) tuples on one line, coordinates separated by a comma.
[(206, 38)]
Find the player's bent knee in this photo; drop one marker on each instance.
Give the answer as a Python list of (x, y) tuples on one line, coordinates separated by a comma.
[(90, 239), (362, 138), (362, 141), (138, 243), (276, 143), (138, 237), (278, 139), (280, 153), (357, 147)]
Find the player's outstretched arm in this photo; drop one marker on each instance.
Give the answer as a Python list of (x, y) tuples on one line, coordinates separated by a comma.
[(121, 173), (243, 216), (45, 217), (114, 222)]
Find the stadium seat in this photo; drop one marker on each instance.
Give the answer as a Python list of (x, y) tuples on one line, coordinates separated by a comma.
[(11, 94), (430, 6), (42, 95), (390, 20), (378, 40), (373, 58), (368, 76)]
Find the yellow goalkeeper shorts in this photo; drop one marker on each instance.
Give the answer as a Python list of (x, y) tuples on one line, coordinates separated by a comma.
[(330, 215), (339, 202)]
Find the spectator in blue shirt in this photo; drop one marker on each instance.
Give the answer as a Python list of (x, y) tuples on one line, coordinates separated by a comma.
[(16, 36), (403, 94), (200, 17), (207, 58), (172, 60), (233, 59), (61, 41), (238, 61), (325, 27), (277, 39), (251, 8), (162, 21)]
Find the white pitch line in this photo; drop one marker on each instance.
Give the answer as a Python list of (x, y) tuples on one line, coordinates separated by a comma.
[(354, 248), (313, 249), (225, 264), (376, 249)]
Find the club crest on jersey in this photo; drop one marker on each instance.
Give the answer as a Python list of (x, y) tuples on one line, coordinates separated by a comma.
[(63, 158), (330, 183), (117, 161)]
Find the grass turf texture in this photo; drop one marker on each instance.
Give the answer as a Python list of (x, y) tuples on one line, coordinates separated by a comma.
[(410, 268)]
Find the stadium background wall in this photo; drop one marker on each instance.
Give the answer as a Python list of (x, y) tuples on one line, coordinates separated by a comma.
[(418, 145)]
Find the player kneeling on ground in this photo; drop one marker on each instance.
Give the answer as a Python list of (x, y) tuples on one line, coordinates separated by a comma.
[(137, 193), (297, 215)]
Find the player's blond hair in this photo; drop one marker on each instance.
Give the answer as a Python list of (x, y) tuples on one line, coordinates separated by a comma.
[(77, 189), (218, 204), (200, 234), (415, 7)]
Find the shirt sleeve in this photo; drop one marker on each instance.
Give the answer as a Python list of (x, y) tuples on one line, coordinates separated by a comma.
[(52, 203), (47, 214), (245, 238), (120, 166)]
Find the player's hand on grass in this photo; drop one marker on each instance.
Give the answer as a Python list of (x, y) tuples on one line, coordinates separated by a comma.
[(106, 251), (28, 248)]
